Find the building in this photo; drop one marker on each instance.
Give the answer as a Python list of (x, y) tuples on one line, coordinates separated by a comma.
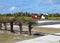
[(36, 17), (42, 16)]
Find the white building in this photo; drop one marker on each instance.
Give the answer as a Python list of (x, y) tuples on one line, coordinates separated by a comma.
[(42, 17)]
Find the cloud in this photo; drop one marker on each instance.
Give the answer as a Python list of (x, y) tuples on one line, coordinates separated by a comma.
[(57, 2), (49, 1), (12, 8), (53, 2), (46, 2)]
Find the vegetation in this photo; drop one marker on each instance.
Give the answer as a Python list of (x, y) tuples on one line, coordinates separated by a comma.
[(20, 19), (11, 24), (47, 30), (53, 16), (17, 19), (0, 24), (19, 22), (12, 38), (23, 17), (5, 21), (30, 22)]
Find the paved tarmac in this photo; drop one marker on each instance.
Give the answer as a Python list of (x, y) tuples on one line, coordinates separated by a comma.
[(44, 39)]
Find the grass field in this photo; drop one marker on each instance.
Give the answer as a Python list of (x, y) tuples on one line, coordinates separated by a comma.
[(47, 30), (25, 17), (53, 18), (11, 38)]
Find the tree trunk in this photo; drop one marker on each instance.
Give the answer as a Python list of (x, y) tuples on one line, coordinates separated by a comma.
[(30, 27), (5, 26), (0, 26), (11, 24), (20, 26)]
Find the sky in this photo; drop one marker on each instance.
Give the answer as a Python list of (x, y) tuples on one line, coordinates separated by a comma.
[(32, 6)]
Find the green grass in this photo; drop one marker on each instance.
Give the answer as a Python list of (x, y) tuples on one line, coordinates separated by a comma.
[(22, 17), (53, 18), (25, 17), (47, 30), (11, 38)]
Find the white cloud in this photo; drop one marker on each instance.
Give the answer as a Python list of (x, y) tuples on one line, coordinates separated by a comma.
[(48, 2), (12, 8)]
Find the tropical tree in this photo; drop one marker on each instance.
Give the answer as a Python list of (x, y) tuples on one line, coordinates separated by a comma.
[(4, 21), (19, 23), (30, 22), (11, 23), (0, 24)]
